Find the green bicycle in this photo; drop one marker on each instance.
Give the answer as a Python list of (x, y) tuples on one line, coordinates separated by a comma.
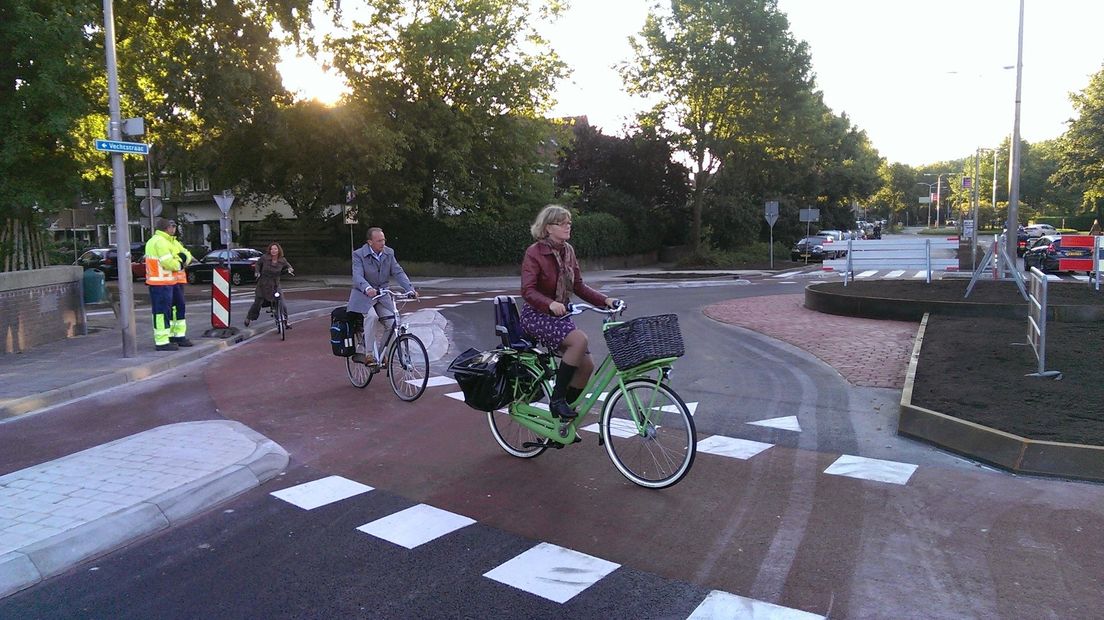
[(644, 425)]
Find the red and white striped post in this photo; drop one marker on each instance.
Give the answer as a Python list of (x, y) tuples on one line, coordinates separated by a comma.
[(220, 298)]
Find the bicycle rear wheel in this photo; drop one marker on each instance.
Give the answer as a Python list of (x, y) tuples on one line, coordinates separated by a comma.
[(359, 373), (511, 435), (408, 367), (657, 452)]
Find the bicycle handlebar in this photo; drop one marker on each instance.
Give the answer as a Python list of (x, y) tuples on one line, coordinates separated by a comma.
[(386, 292), (579, 308)]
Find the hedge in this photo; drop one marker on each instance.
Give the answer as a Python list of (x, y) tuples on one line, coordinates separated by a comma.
[(480, 240)]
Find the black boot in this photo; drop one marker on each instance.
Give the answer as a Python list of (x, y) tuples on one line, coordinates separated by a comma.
[(558, 403), (572, 394)]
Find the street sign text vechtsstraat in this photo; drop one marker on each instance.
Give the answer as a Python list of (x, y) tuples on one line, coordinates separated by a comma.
[(115, 146)]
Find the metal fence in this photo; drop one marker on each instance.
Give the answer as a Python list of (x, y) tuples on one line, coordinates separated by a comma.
[(926, 255), (1037, 322)]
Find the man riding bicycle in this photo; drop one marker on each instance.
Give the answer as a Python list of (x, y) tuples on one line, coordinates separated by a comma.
[(374, 264)]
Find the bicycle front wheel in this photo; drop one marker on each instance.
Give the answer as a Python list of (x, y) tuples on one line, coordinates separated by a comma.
[(648, 433), (359, 373), (514, 438), (408, 367), (281, 319)]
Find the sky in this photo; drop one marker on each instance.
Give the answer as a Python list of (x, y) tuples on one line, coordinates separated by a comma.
[(926, 79)]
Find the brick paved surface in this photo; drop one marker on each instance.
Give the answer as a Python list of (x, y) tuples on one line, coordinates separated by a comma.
[(867, 352), (75, 507)]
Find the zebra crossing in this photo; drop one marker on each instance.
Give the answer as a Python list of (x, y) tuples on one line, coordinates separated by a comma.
[(858, 467), (900, 274), (545, 570)]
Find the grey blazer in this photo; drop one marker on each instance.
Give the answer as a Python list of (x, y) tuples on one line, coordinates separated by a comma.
[(367, 271)]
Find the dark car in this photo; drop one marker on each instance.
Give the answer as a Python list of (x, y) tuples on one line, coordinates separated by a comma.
[(816, 249), (107, 261), (241, 265), (1047, 250)]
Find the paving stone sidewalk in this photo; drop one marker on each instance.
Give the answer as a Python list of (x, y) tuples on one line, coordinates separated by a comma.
[(867, 352), (62, 512)]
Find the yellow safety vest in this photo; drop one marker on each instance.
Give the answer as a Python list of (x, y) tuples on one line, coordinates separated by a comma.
[(161, 260)]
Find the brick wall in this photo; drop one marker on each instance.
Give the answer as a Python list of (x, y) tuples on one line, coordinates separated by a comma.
[(39, 306)]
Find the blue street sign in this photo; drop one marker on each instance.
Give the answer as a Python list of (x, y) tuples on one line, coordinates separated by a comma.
[(115, 146)]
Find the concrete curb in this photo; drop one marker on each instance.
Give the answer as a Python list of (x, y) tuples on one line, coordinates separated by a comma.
[(1005, 450), (46, 558), (28, 405)]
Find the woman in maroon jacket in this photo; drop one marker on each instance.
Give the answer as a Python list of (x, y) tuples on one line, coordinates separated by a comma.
[(549, 275)]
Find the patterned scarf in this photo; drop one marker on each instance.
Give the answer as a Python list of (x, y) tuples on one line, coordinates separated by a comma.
[(565, 262)]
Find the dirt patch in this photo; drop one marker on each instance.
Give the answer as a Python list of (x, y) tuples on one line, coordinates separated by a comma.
[(974, 368)]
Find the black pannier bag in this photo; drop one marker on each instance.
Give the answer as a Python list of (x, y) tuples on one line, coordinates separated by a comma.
[(484, 378), (343, 326)]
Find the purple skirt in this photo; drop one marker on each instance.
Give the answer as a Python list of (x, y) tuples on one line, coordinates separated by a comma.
[(545, 328)]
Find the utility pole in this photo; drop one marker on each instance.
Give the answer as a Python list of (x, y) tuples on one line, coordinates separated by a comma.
[(118, 183), (1014, 156)]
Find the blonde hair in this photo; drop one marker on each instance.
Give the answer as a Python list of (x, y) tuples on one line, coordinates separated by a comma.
[(551, 214)]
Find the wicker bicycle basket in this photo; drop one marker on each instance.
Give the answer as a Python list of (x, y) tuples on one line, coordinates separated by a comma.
[(644, 339)]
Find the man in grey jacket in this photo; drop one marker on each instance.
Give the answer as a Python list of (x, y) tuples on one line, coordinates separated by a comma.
[(373, 265)]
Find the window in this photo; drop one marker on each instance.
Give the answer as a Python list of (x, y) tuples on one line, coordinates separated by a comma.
[(196, 183)]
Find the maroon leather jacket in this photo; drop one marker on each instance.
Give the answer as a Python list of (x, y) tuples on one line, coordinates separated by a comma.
[(539, 274)]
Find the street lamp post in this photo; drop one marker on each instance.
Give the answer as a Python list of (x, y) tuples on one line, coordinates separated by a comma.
[(938, 191), (1014, 148)]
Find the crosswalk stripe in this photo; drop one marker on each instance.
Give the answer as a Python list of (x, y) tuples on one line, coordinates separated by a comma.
[(895, 274), (416, 525), (867, 274), (724, 605), (311, 495), (552, 572)]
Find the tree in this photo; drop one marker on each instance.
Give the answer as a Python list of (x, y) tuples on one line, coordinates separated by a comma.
[(727, 75), (1081, 148), (633, 178), (897, 195), (462, 83), (44, 82)]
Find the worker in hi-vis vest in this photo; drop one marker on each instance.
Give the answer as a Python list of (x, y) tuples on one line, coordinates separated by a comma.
[(163, 260)]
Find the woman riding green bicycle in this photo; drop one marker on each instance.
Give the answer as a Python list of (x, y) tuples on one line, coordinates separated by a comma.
[(549, 275)]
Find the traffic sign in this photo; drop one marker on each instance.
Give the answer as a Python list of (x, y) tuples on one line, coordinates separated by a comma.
[(141, 191), (809, 215), (145, 207), (224, 201), (128, 148)]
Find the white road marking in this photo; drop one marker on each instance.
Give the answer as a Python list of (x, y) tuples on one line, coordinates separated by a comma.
[(787, 423), (895, 274), (724, 605), (732, 447), (416, 525), (437, 381), (552, 572), (311, 495), (871, 469)]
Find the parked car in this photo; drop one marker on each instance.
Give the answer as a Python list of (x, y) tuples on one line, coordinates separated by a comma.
[(1038, 230), (834, 235), (107, 261), (816, 249), (241, 261), (1046, 252)]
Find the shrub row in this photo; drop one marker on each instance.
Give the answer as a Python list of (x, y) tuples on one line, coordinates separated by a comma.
[(480, 240)]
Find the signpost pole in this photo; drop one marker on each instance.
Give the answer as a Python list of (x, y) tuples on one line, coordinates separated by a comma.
[(771, 213), (122, 230)]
